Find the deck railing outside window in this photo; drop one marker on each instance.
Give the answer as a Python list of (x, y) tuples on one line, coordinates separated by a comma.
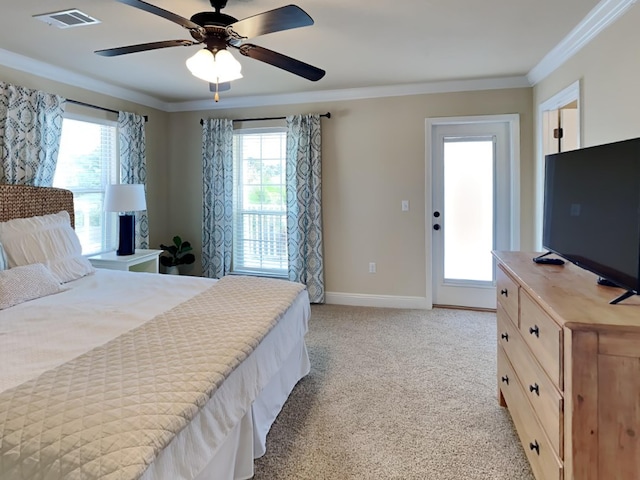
[(264, 242)]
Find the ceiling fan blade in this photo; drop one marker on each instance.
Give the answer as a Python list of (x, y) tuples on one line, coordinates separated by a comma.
[(282, 61), (147, 7), (283, 18), (222, 87), (114, 52)]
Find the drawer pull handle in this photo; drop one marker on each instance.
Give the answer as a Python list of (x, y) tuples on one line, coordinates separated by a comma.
[(534, 388), (505, 336), (535, 446), (534, 331), (505, 379), (504, 292)]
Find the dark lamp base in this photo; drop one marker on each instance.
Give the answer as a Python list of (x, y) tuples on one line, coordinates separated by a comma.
[(126, 245)]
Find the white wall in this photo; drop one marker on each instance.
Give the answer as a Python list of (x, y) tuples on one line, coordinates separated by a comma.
[(373, 158), (608, 70)]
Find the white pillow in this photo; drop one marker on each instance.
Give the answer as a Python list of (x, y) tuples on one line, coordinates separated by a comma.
[(46, 239), (21, 284), (4, 263)]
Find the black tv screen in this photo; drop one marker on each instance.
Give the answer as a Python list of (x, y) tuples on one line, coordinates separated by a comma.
[(592, 210)]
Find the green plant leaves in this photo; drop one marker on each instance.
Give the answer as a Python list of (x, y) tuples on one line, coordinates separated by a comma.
[(176, 254)]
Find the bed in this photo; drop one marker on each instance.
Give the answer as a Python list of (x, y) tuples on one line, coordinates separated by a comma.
[(136, 375)]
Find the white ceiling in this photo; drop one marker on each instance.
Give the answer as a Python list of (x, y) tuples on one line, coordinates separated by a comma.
[(360, 43)]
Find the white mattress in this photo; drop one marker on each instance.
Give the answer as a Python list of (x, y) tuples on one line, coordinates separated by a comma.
[(102, 306)]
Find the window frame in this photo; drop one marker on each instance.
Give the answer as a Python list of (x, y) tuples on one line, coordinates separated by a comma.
[(237, 205), (109, 218)]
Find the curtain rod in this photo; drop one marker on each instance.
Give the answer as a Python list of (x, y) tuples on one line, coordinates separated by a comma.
[(97, 107), (326, 115)]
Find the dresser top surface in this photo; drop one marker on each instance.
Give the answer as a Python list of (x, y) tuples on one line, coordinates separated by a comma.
[(569, 293)]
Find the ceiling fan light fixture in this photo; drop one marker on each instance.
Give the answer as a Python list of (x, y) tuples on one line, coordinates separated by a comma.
[(214, 68), (226, 62)]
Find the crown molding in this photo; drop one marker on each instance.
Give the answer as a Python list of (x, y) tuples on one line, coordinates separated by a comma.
[(603, 14), (353, 94), (52, 72)]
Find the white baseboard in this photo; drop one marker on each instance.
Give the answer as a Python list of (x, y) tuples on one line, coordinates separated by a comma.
[(365, 300)]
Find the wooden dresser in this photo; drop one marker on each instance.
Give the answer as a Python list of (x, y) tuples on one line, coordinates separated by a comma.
[(569, 369)]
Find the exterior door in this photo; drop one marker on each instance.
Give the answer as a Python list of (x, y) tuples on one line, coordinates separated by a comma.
[(472, 192)]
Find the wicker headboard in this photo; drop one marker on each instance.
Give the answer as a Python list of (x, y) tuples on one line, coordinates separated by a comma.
[(23, 201)]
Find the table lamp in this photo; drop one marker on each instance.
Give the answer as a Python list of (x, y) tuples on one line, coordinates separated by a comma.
[(125, 198)]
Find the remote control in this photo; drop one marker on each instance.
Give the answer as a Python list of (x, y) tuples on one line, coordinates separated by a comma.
[(549, 261)]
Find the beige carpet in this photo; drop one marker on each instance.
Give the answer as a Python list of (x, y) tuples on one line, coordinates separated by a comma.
[(396, 394)]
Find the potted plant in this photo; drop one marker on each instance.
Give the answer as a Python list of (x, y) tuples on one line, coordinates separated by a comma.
[(175, 255)]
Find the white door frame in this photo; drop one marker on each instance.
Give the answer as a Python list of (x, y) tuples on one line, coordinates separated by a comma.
[(514, 154), (559, 100)]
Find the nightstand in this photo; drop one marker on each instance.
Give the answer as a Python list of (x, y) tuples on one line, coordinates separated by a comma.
[(141, 261)]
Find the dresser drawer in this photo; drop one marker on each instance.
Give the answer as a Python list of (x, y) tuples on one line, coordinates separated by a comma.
[(542, 394), (544, 337), (542, 458), (507, 291), (508, 334)]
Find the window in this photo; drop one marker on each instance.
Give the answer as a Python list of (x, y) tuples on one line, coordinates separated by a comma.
[(260, 205), (87, 162)]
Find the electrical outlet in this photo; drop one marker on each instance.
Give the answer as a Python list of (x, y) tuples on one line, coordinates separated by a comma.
[(372, 267), (405, 205)]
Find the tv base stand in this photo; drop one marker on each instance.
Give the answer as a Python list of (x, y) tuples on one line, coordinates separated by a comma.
[(624, 296)]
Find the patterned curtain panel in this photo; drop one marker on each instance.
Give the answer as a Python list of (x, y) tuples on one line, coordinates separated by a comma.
[(133, 164), (217, 201), (304, 204), (30, 131)]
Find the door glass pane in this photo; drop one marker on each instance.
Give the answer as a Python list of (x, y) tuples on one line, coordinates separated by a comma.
[(469, 209)]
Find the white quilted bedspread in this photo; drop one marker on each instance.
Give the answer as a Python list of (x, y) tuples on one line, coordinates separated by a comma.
[(107, 413)]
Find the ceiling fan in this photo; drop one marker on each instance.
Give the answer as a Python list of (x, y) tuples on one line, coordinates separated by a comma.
[(218, 31)]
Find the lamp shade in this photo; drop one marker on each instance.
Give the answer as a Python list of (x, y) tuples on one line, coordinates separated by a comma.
[(125, 197), (214, 68)]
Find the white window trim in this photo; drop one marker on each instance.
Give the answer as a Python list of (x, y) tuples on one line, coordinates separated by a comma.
[(105, 122), (248, 271)]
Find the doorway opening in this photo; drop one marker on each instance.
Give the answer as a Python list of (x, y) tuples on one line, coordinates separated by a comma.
[(558, 131)]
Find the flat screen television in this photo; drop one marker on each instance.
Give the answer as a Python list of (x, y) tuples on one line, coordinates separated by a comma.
[(592, 211)]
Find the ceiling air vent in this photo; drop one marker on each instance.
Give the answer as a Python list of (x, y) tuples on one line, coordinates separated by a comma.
[(67, 18)]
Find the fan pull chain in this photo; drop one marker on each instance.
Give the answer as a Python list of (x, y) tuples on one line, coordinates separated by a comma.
[(216, 97)]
